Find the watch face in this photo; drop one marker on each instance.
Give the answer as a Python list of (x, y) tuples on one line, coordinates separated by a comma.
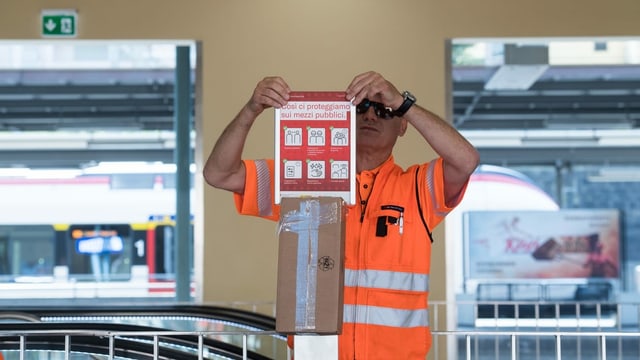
[(408, 95)]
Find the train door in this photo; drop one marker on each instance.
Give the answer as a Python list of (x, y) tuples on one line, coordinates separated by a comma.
[(165, 252), (162, 244), (101, 252), (4, 257)]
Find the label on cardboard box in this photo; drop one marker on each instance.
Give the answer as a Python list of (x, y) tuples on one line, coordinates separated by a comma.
[(311, 266), (315, 146)]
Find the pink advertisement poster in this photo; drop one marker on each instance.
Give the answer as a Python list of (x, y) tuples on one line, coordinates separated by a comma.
[(315, 146), (542, 244)]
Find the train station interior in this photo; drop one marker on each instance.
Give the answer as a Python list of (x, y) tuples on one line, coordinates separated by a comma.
[(112, 245)]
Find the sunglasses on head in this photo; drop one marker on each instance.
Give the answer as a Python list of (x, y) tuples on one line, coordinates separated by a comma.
[(379, 109)]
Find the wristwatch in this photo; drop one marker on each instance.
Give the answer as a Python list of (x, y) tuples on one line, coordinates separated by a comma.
[(409, 100)]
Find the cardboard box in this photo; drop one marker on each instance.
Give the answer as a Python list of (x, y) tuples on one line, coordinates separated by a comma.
[(310, 291)]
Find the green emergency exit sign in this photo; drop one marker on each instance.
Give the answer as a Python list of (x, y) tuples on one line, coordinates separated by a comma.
[(59, 23)]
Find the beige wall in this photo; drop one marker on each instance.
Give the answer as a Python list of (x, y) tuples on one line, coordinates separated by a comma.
[(315, 45)]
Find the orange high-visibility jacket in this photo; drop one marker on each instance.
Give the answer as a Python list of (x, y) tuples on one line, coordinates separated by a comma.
[(387, 254)]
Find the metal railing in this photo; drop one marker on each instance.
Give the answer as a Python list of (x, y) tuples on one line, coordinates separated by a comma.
[(522, 344), (528, 330), (156, 341), (512, 330)]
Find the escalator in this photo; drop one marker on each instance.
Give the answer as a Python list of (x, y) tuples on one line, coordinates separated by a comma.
[(138, 332)]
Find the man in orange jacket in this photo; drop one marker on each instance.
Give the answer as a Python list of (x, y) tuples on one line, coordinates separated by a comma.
[(388, 236)]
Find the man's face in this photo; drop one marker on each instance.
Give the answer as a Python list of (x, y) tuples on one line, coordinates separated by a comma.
[(376, 128)]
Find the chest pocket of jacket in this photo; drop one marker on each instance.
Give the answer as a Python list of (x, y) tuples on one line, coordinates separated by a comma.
[(392, 238)]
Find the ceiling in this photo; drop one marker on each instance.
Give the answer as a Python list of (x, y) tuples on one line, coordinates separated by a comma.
[(563, 97), (88, 116), (135, 107), (54, 100), (587, 114)]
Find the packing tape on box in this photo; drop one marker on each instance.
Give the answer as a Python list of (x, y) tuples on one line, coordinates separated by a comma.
[(306, 222)]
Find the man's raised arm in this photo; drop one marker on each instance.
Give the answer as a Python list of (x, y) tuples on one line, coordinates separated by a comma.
[(224, 168)]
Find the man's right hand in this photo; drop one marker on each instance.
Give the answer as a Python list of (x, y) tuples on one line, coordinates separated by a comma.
[(269, 92)]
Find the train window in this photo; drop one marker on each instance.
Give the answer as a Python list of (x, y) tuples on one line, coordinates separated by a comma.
[(132, 181), (169, 181), (100, 252), (26, 251)]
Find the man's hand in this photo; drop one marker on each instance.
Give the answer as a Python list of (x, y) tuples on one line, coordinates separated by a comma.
[(269, 92), (375, 87)]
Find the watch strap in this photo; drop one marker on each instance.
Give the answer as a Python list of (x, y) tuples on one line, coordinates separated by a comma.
[(409, 100)]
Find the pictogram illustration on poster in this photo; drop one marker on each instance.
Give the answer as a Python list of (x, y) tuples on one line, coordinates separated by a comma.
[(315, 146)]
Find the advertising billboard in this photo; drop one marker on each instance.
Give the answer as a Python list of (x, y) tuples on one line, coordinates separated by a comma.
[(562, 244)]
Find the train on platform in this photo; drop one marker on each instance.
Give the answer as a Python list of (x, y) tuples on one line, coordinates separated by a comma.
[(89, 236), (112, 234)]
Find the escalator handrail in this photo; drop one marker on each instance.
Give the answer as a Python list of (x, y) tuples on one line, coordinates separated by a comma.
[(238, 316)]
